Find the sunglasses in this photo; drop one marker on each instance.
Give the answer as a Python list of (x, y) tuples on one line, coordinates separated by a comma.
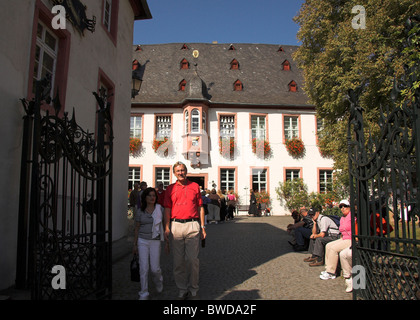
[(343, 206)]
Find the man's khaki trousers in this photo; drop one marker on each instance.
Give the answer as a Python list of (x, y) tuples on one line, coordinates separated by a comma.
[(186, 246)]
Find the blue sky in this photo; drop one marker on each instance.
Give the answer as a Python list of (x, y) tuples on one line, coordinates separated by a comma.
[(224, 21)]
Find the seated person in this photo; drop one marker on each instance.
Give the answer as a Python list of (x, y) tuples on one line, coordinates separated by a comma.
[(302, 230), (296, 218), (324, 230), (334, 248), (346, 265)]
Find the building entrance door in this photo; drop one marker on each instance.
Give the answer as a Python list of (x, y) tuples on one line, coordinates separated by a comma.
[(199, 180)]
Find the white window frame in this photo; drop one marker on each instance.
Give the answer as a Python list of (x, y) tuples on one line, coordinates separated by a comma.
[(136, 126), (45, 49), (163, 127), (107, 14), (258, 127), (325, 180), (291, 129), (163, 174), (134, 175), (186, 121), (195, 121), (292, 174), (227, 126), (259, 173), (226, 182)]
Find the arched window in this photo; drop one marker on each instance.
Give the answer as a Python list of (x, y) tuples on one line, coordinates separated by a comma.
[(186, 122), (238, 86), (182, 85), (203, 119), (195, 121)]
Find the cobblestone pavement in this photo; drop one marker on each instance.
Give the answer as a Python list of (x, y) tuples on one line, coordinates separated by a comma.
[(247, 258)]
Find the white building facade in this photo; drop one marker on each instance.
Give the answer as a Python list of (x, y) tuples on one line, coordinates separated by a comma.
[(208, 102)]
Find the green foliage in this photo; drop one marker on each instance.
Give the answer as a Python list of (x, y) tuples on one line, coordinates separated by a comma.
[(332, 211), (294, 193), (335, 58)]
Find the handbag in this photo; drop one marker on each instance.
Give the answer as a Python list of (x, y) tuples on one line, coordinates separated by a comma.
[(130, 213), (135, 269)]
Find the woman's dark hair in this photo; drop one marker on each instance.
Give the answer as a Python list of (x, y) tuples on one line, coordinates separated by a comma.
[(143, 197)]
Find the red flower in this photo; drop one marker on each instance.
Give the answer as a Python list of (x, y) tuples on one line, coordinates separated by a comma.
[(261, 147), (135, 145), (227, 147), (295, 147), (157, 143)]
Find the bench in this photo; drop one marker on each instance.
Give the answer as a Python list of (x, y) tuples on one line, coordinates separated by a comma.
[(242, 207)]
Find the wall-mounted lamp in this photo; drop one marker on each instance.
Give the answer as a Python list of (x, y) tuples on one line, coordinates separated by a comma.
[(136, 79), (136, 84)]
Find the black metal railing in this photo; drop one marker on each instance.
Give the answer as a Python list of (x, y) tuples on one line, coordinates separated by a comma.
[(65, 212), (384, 179)]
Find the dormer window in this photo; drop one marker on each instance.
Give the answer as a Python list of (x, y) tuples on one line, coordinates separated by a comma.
[(292, 86), (182, 85), (139, 48), (232, 47), (234, 64), (280, 49), (136, 65), (238, 86), (185, 64), (286, 65), (184, 47)]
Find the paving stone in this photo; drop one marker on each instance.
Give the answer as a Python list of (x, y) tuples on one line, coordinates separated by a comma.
[(247, 258)]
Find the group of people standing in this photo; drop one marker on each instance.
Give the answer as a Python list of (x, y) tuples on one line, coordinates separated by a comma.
[(328, 242), (218, 206), (175, 217)]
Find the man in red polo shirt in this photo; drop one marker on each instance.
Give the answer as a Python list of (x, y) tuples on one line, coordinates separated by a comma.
[(184, 220)]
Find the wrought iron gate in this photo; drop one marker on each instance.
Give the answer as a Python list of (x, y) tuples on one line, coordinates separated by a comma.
[(384, 181), (65, 207)]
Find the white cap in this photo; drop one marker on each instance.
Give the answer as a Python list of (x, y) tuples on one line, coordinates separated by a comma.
[(345, 202)]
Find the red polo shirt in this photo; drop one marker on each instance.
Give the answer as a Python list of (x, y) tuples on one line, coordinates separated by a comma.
[(183, 200)]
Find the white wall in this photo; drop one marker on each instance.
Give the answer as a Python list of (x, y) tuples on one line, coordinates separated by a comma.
[(87, 55), (245, 158), (16, 19)]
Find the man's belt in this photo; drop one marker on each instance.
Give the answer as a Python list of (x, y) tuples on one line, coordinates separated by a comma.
[(184, 220)]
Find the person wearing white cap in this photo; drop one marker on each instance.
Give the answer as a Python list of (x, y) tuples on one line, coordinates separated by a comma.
[(334, 248)]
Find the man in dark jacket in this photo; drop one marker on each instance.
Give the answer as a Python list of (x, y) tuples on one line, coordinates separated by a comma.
[(303, 230)]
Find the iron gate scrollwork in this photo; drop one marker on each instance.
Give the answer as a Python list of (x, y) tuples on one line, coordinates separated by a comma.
[(65, 202), (384, 180)]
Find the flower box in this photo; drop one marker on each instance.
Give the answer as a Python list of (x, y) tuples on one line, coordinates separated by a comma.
[(295, 147), (227, 147), (135, 146), (261, 148), (157, 146)]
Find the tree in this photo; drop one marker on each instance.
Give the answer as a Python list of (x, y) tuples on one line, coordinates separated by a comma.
[(335, 58), (294, 193)]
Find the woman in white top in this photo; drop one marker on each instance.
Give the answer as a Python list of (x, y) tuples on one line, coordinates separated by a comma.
[(148, 235)]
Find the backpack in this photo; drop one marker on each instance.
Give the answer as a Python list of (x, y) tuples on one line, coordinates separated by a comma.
[(336, 220)]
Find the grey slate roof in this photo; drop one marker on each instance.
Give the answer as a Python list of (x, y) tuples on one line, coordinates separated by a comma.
[(260, 71)]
